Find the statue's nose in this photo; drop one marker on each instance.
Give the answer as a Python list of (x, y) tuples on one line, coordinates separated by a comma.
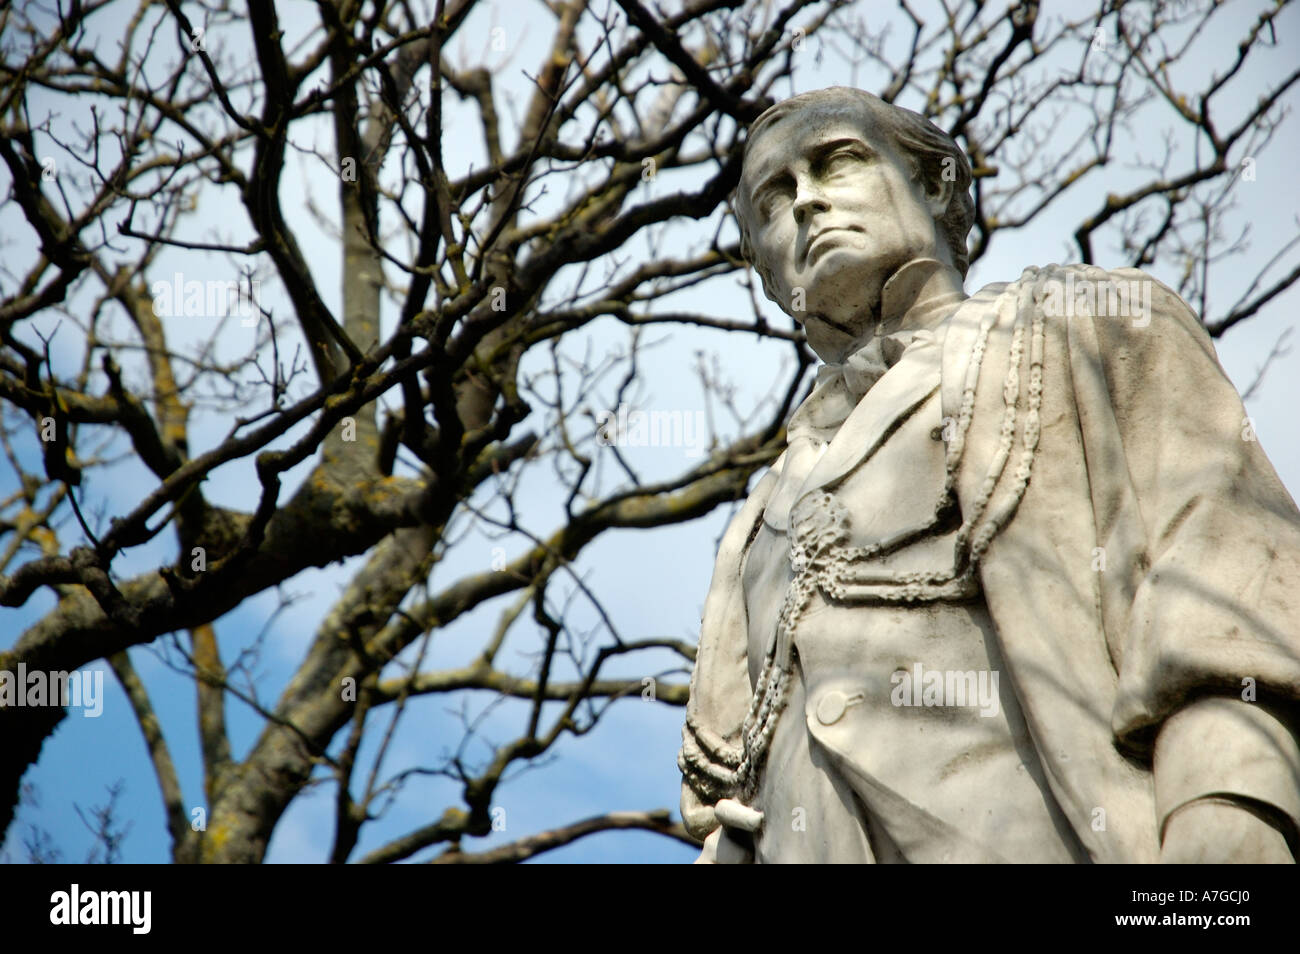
[(808, 203)]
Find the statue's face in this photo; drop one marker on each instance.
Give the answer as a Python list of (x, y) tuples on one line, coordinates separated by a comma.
[(833, 212)]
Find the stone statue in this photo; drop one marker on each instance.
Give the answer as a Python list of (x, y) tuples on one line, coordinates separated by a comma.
[(1023, 586)]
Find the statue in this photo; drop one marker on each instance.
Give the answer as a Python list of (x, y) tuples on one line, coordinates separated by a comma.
[(1023, 586)]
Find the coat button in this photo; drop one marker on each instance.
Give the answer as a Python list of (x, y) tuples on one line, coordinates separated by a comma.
[(831, 706)]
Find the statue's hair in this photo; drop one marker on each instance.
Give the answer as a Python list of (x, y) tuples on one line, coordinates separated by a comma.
[(914, 138)]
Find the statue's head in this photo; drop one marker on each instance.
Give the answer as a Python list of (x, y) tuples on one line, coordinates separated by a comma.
[(840, 189)]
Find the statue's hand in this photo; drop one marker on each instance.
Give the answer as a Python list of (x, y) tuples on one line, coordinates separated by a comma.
[(731, 843), (1217, 831), (723, 848)]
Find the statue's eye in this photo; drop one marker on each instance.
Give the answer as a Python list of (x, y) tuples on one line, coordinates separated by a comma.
[(841, 160)]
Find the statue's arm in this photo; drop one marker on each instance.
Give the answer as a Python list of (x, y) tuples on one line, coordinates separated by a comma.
[(1226, 776), (720, 687), (1210, 662)]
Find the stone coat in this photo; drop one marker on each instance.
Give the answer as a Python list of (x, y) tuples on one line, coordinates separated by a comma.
[(1137, 553)]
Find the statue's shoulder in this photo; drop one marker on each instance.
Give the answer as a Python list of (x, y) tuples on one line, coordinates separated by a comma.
[(1122, 302), (1122, 322)]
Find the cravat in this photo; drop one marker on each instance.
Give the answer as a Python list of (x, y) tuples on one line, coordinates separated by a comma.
[(836, 392)]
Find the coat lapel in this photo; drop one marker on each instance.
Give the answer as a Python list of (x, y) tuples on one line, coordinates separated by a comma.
[(896, 396)]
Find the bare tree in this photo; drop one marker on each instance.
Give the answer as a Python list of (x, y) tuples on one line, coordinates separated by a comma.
[(455, 372)]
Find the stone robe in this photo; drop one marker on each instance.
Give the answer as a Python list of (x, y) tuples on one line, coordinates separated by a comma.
[(1074, 496)]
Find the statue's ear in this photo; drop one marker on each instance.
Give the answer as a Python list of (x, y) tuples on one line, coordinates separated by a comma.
[(937, 182)]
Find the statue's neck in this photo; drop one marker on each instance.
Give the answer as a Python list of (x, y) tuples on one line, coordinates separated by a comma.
[(917, 297)]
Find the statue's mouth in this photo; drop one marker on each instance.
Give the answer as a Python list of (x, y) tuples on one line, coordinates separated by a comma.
[(816, 237)]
